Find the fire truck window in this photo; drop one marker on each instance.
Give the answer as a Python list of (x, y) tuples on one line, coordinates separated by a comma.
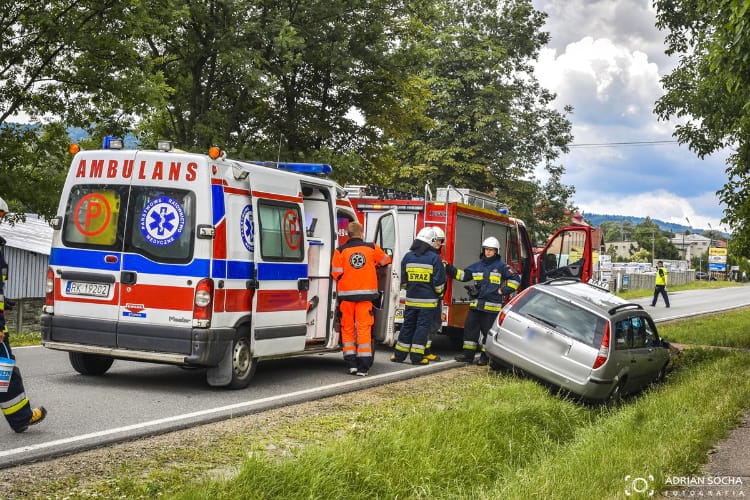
[(281, 231), (94, 217)]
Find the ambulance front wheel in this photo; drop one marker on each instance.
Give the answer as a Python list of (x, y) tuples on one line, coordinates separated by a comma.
[(243, 363), (90, 364)]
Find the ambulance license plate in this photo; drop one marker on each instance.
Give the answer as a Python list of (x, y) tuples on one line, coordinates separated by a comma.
[(89, 289)]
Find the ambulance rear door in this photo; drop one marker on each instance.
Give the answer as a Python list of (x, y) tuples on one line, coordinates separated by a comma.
[(163, 263), (279, 321), (389, 281)]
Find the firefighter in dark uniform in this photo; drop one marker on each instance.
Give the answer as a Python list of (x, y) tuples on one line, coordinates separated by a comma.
[(14, 403), (437, 324), (491, 279), (353, 268), (423, 275)]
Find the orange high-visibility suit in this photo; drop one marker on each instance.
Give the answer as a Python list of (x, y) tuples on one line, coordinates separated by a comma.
[(353, 267)]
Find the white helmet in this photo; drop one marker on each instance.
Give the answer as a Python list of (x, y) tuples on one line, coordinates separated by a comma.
[(427, 234), (3, 205), (439, 233), (491, 242)]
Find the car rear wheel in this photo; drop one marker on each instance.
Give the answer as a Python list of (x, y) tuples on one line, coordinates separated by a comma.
[(243, 363), (90, 364), (615, 397)]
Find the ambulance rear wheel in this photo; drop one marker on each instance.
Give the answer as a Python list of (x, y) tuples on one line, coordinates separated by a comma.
[(243, 363), (90, 364)]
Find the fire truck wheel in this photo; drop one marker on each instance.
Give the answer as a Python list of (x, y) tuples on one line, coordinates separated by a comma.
[(90, 364), (243, 363)]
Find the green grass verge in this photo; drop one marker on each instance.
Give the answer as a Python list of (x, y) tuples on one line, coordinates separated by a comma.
[(507, 437), (726, 329), (695, 285), (25, 339)]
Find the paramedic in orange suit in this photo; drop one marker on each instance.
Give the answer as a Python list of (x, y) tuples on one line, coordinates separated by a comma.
[(353, 267)]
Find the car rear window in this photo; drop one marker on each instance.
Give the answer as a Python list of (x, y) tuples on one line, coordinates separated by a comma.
[(561, 315)]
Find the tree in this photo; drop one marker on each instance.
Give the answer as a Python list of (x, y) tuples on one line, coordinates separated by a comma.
[(709, 90), (489, 121)]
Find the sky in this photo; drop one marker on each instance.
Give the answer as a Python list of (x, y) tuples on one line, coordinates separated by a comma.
[(606, 58)]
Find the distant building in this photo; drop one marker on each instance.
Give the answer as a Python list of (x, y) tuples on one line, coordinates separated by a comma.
[(27, 251), (693, 245), (623, 249)]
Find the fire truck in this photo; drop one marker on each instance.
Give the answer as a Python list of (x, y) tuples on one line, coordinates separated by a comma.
[(392, 219)]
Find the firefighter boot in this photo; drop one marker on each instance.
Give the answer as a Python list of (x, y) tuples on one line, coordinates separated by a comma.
[(483, 359), (37, 415), (432, 357), (466, 357)]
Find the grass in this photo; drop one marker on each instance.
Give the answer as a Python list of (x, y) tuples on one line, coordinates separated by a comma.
[(25, 339), (726, 329), (507, 437)]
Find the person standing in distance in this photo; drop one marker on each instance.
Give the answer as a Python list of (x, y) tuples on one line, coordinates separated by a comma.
[(661, 284), (14, 403), (353, 268), (438, 321), (423, 275), (491, 280)]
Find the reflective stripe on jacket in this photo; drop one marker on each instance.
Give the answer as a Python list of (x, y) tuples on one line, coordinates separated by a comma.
[(493, 279), (423, 276)]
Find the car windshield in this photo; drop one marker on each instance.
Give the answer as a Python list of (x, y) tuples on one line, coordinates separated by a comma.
[(562, 316)]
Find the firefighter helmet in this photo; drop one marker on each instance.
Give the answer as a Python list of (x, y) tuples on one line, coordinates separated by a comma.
[(427, 234), (491, 242), (439, 233), (3, 205)]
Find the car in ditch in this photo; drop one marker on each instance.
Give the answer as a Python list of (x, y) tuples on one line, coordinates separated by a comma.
[(579, 337)]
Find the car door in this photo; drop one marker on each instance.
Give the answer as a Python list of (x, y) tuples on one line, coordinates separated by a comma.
[(389, 281), (648, 357)]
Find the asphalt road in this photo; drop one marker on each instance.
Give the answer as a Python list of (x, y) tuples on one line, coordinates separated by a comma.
[(138, 399)]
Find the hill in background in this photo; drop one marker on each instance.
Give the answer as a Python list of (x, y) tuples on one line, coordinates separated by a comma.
[(597, 219)]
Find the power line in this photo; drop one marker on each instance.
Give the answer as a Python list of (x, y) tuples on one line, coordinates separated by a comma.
[(616, 144)]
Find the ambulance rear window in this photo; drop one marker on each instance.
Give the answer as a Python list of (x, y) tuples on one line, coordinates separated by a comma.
[(160, 224), (93, 216)]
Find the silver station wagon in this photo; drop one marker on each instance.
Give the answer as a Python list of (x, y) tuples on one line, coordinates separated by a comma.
[(580, 338)]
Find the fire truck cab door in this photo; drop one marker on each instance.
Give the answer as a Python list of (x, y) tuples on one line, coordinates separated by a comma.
[(389, 282), (281, 282), (567, 254)]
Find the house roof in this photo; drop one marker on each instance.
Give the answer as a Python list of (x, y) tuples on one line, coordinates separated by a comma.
[(33, 235)]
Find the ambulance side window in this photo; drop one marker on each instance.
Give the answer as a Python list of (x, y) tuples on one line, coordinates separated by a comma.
[(160, 224), (281, 231), (93, 217)]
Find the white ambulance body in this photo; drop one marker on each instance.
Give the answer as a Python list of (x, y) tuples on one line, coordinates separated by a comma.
[(193, 260)]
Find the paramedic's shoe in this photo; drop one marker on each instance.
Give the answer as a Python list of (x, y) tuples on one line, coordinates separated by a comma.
[(483, 360), (352, 371), (361, 373), (37, 415), (432, 357), (465, 358)]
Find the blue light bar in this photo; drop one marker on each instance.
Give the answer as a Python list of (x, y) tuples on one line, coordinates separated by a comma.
[(111, 142), (306, 168)]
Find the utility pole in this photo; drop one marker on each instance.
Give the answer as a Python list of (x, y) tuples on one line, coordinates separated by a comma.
[(708, 254)]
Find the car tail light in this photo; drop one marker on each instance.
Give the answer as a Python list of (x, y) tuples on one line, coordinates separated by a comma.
[(203, 305), (603, 349), (49, 291), (501, 318)]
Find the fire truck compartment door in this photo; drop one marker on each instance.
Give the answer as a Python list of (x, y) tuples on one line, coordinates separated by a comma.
[(389, 282)]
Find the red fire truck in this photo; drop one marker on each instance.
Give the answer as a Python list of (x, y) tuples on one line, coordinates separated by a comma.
[(393, 218)]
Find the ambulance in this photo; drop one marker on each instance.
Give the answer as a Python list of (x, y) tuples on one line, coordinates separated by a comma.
[(195, 260), (468, 217)]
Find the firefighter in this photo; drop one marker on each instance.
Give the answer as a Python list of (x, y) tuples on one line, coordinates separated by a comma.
[(423, 275), (14, 403), (353, 267), (491, 279), (438, 321)]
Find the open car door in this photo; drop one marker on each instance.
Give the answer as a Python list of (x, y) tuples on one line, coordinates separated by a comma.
[(567, 254), (389, 281)]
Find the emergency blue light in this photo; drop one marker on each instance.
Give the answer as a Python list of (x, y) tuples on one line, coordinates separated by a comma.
[(306, 168), (503, 211), (111, 142)]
